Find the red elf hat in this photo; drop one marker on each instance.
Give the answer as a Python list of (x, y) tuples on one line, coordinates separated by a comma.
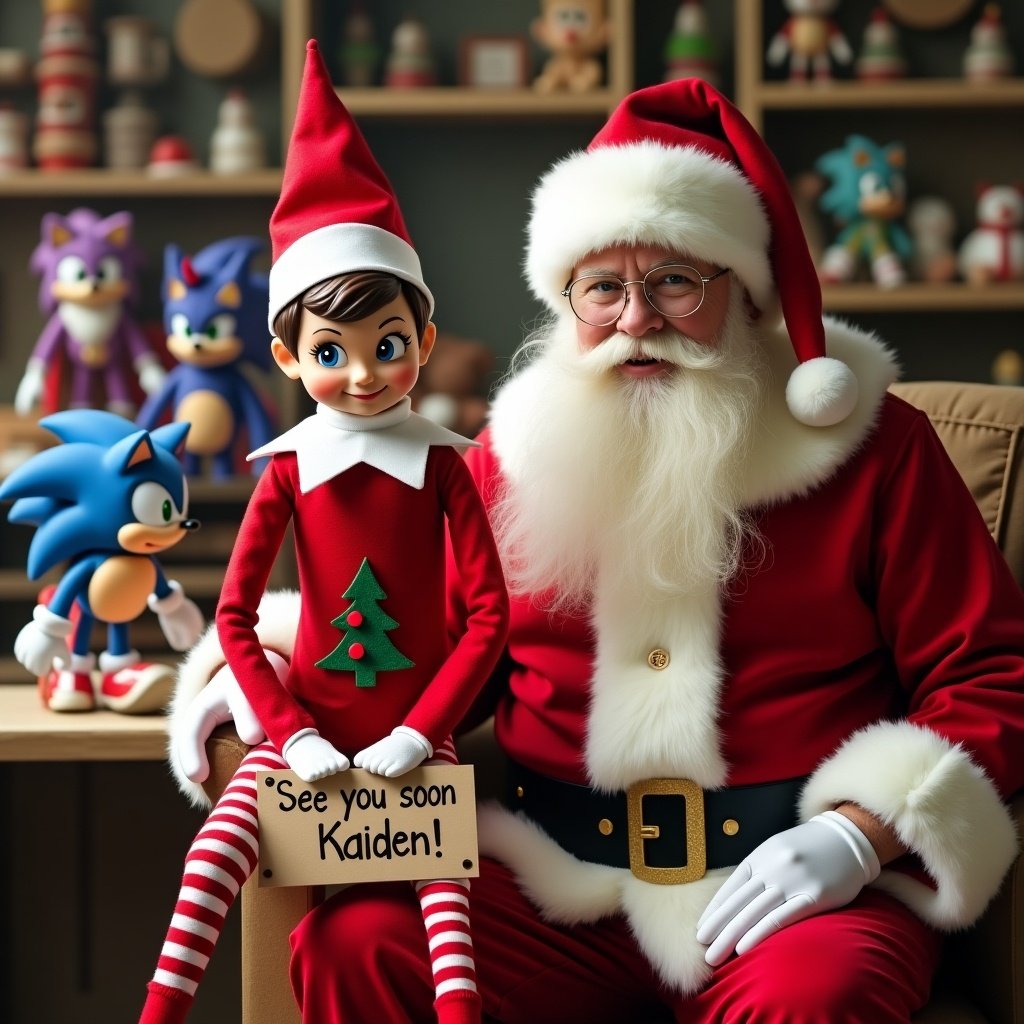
[(337, 211), (678, 166)]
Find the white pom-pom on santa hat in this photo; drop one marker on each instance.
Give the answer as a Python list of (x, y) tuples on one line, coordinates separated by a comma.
[(678, 166)]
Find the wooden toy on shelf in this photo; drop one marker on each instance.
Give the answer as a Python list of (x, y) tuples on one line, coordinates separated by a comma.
[(574, 32), (237, 144), (932, 225), (811, 40), (881, 57), (988, 56), (994, 250), (410, 63), (359, 53), (171, 156), (691, 50)]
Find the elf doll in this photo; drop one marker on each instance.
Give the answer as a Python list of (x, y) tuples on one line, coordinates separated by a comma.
[(367, 486)]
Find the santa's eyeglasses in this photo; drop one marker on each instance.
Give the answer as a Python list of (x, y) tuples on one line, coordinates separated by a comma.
[(675, 290)]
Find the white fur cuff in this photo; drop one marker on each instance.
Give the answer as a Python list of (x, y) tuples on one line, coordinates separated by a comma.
[(941, 804)]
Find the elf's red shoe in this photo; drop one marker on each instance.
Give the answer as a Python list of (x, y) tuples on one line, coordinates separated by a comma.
[(64, 690), (137, 689)]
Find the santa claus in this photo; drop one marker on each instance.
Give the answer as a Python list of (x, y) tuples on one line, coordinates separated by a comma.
[(762, 704)]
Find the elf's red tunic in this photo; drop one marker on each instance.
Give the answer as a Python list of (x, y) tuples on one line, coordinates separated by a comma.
[(364, 513)]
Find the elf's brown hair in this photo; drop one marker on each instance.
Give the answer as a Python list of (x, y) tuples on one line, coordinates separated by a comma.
[(347, 298)]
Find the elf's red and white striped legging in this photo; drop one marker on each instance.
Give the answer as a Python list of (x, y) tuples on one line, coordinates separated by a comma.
[(223, 856)]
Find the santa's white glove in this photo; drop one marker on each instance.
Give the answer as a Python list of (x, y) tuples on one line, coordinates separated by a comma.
[(396, 754), (179, 617), (30, 390), (220, 701), (151, 373), (805, 870), (311, 757), (43, 640)]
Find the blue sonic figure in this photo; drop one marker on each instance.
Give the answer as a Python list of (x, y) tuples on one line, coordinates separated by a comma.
[(215, 311), (867, 194), (107, 501)]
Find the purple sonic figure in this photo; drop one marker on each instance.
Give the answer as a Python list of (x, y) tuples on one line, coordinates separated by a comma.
[(215, 310), (89, 290)]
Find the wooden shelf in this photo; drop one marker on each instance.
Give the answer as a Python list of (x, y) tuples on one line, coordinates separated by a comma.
[(916, 297), (455, 101), (937, 93), (28, 732), (96, 181)]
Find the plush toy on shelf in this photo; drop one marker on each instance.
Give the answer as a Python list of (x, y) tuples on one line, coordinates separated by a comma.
[(866, 197), (574, 32), (690, 50), (215, 316), (932, 225), (107, 502), (89, 266), (994, 250), (811, 40)]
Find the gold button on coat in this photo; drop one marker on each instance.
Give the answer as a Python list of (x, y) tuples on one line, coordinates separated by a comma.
[(604, 826), (730, 826), (658, 659)]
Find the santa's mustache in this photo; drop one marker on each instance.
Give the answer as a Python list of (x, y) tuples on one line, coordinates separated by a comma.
[(668, 346)]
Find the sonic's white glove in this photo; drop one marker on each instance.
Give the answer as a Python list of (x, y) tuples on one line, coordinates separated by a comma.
[(179, 617), (396, 754), (311, 757), (151, 373), (30, 390), (43, 640), (805, 870), (220, 701)]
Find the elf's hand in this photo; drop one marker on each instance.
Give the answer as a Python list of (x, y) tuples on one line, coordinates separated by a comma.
[(805, 870), (311, 757), (180, 618), (396, 754), (43, 640)]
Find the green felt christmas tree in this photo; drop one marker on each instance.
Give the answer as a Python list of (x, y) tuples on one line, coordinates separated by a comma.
[(365, 647)]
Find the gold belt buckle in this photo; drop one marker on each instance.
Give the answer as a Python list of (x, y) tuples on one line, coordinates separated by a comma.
[(639, 833)]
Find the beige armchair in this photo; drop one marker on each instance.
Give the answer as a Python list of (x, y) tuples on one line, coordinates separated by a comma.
[(982, 979)]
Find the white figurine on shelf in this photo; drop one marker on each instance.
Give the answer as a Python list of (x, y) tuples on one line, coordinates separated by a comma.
[(988, 55), (690, 50), (932, 225), (811, 40), (410, 62), (881, 57), (236, 145), (994, 250)]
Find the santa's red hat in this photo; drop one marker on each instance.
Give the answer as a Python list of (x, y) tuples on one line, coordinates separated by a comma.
[(337, 212), (679, 166)]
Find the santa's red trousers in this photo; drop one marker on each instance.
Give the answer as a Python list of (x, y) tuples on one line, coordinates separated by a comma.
[(354, 962)]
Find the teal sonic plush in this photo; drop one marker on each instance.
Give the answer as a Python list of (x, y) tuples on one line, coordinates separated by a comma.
[(866, 197), (105, 503)]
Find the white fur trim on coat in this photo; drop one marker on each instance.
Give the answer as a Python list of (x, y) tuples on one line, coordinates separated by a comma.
[(277, 627), (645, 193), (940, 803)]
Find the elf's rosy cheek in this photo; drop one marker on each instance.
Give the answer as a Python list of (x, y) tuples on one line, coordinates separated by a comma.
[(405, 377)]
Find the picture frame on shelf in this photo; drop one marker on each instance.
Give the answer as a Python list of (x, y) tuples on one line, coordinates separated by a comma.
[(494, 61)]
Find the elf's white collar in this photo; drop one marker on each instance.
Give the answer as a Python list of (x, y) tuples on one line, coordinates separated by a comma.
[(396, 441)]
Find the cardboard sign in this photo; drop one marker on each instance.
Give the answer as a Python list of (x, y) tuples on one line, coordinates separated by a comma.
[(358, 827)]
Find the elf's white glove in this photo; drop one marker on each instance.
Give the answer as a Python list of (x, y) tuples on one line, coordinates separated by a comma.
[(179, 617), (805, 870), (396, 754), (30, 390), (311, 757), (220, 701), (43, 640), (151, 373)]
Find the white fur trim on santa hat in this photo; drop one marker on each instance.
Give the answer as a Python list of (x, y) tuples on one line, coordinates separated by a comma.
[(645, 193), (339, 249), (941, 804), (821, 392)]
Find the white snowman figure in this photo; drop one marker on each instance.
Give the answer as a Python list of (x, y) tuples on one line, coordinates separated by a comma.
[(994, 250)]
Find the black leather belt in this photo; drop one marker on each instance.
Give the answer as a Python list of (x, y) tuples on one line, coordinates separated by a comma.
[(666, 831)]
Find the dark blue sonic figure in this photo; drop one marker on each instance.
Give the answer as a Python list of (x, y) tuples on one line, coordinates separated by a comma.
[(215, 310), (106, 502)]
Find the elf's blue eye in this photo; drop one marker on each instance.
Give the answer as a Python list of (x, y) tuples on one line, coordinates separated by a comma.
[(391, 348), (331, 356)]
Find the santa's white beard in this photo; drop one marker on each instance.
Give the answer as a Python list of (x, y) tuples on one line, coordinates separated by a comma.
[(635, 480)]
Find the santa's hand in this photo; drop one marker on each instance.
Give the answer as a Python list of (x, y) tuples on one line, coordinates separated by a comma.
[(220, 701), (805, 870), (42, 641), (151, 374), (180, 618), (30, 390), (396, 754), (311, 757)]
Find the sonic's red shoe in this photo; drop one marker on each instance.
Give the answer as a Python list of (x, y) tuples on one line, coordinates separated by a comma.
[(139, 688), (65, 690)]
